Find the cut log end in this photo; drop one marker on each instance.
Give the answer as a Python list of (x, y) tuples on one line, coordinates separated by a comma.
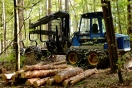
[(7, 76), (23, 75), (50, 81), (57, 78), (24, 68), (30, 81), (65, 83), (40, 82), (35, 84)]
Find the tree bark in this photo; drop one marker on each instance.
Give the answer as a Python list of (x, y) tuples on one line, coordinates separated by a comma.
[(40, 82), (129, 16), (110, 32), (30, 81), (59, 62), (49, 12), (39, 73), (59, 77), (118, 14), (44, 67), (112, 46), (16, 76), (77, 78), (7, 76), (21, 19), (16, 36), (66, 5), (4, 25), (50, 81)]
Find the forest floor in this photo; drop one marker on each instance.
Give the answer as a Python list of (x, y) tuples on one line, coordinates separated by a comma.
[(102, 79)]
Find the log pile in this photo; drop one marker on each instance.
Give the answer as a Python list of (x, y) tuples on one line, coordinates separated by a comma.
[(47, 74)]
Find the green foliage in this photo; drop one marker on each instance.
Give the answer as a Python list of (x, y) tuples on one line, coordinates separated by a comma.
[(120, 63), (35, 9)]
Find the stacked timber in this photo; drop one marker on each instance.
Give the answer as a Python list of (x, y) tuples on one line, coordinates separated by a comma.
[(41, 74)]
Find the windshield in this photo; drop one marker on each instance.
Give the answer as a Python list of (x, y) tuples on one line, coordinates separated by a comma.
[(85, 25)]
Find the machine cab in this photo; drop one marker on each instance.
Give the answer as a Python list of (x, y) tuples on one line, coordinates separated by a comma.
[(92, 33), (90, 28)]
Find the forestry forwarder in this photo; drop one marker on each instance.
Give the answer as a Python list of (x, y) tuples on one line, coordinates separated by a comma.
[(89, 43), (88, 46), (57, 34)]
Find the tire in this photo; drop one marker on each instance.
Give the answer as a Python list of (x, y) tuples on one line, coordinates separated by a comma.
[(73, 57), (34, 50), (96, 58), (22, 51)]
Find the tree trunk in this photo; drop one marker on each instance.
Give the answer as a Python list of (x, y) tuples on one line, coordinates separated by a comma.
[(66, 5), (110, 32), (59, 77), (16, 36), (4, 25), (118, 15), (49, 12), (21, 18), (81, 76), (44, 67), (112, 46), (40, 82), (39, 73), (129, 16)]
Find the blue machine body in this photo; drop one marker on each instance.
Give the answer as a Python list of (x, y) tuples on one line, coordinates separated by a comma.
[(92, 32)]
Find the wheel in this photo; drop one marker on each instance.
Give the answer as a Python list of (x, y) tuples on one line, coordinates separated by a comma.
[(33, 54), (96, 58), (22, 51), (72, 57)]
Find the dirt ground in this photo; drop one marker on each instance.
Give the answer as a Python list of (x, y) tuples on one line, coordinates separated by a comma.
[(100, 80)]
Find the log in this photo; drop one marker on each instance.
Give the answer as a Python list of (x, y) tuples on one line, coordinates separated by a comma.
[(62, 66), (2, 70), (44, 67), (17, 73), (11, 76), (59, 77), (39, 73), (37, 67), (30, 81), (7, 76), (16, 76), (40, 82), (59, 62), (77, 78), (50, 81)]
